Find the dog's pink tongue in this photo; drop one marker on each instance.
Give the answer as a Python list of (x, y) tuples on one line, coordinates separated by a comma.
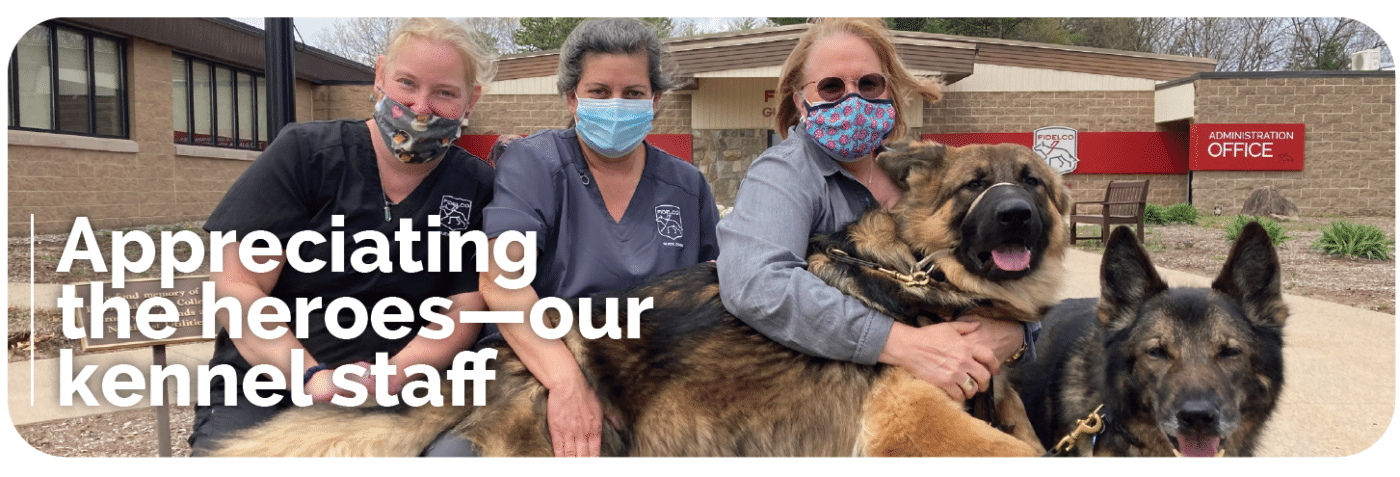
[(1012, 258), (1198, 446)]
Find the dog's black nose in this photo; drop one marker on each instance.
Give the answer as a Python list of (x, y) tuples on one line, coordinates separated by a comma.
[(1198, 415), (1013, 212)]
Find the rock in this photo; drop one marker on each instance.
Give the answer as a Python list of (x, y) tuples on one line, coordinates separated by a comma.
[(1268, 202)]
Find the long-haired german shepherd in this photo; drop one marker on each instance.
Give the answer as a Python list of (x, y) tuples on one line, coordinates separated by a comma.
[(1179, 371), (979, 228)]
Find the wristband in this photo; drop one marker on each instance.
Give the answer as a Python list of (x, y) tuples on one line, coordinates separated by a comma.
[(306, 378)]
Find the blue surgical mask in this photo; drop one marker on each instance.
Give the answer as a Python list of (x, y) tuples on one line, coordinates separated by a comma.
[(613, 127)]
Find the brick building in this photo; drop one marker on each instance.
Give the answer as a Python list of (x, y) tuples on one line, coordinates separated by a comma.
[(1131, 115), (1349, 119), (138, 121)]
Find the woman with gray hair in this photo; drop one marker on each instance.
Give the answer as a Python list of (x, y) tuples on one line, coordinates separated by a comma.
[(609, 211)]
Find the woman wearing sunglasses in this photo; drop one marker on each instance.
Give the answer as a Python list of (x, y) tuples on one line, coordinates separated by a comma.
[(842, 90)]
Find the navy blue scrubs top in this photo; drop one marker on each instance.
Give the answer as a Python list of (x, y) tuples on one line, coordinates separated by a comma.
[(543, 185)]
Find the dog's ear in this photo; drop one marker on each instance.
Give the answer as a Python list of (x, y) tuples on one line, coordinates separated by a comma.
[(1127, 279), (1059, 194), (904, 156), (1251, 275), (1066, 203)]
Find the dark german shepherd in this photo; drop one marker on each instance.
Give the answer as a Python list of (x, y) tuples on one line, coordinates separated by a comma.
[(1179, 371), (978, 228)]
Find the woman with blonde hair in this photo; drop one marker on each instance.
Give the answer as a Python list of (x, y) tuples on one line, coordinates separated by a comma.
[(842, 91), (339, 178)]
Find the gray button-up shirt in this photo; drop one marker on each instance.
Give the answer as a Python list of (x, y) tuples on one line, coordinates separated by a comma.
[(792, 191)]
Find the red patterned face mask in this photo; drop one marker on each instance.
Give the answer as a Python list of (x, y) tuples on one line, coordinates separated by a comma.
[(851, 128)]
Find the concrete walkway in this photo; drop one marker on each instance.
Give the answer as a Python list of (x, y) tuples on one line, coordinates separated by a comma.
[(1338, 399)]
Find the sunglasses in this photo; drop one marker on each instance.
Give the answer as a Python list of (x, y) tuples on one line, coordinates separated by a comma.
[(831, 88)]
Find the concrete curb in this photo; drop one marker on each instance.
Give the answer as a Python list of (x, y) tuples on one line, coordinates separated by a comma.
[(43, 293)]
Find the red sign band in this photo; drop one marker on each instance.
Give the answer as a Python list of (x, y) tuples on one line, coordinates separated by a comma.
[(1247, 147)]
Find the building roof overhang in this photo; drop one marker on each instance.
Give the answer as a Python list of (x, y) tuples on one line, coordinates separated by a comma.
[(230, 42), (951, 57), (761, 50)]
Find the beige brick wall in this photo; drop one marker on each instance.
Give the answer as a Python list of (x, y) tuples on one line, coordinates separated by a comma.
[(524, 114), (674, 116), (58, 183), (342, 102), (518, 114), (1165, 189), (961, 112), (1349, 150), (1086, 111), (127, 183)]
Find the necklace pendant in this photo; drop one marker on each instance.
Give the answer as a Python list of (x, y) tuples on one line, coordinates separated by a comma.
[(387, 217)]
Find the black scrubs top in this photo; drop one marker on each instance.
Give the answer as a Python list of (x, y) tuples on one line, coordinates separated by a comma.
[(313, 171)]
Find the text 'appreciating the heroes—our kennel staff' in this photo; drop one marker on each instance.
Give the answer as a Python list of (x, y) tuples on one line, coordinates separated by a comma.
[(156, 317)]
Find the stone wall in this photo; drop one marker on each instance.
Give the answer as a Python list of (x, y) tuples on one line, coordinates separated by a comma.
[(1349, 149), (724, 155)]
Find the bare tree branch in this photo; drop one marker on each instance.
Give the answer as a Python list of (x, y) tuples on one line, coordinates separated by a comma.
[(360, 39)]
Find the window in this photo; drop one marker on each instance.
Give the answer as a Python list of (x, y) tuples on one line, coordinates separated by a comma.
[(217, 105), (68, 81)]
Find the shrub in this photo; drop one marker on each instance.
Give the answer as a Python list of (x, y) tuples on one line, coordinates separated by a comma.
[(1345, 238), (1277, 234), (1155, 214), (1183, 213)]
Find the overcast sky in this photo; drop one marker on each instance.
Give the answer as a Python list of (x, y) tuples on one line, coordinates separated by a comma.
[(307, 28)]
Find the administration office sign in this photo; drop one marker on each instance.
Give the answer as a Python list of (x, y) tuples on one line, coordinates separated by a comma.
[(1247, 147)]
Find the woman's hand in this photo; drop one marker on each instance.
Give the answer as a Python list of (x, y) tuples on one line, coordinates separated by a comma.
[(942, 355), (575, 419), (1003, 337), (322, 387), (572, 409)]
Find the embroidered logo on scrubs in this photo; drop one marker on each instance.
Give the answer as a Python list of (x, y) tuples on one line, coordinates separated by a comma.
[(455, 212), (668, 221)]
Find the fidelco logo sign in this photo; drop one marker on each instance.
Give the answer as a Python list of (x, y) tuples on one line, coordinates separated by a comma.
[(1059, 146), (1247, 147)]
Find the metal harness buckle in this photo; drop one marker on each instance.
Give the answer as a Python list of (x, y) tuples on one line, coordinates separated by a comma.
[(918, 279)]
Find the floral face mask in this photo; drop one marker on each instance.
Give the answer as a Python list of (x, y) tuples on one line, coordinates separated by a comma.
[(851, 128), (415, 138)]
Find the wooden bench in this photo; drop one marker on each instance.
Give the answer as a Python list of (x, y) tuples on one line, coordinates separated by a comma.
[(1123, 203)]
